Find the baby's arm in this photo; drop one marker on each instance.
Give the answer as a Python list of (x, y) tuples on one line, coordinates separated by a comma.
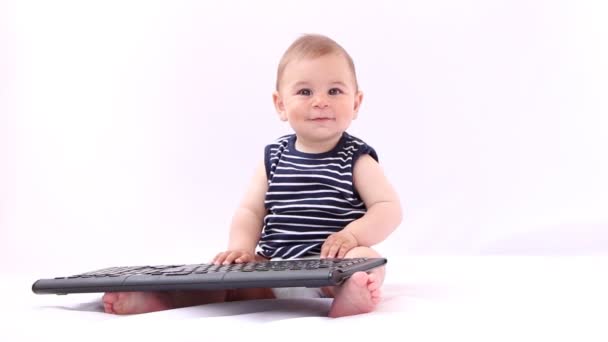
[(383, 206), (246, 225), (383, 211)]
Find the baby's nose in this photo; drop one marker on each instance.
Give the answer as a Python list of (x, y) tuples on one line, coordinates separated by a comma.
[(320, 101)]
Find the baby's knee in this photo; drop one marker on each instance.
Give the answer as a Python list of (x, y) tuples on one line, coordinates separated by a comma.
[(362, 252), (367, 252)]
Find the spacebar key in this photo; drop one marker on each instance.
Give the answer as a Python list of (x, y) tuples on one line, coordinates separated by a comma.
[(140, 282)]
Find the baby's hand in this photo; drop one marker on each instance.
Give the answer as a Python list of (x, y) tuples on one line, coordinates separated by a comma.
[(336, 245), (237, 257)]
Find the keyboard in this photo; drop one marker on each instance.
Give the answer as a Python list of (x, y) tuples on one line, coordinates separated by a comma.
[(277, 273)]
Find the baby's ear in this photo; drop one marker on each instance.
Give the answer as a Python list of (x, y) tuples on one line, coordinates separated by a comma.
[(279, 105), (357, 104)]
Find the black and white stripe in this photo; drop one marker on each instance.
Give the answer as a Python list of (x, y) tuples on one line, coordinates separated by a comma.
[(310, 196)]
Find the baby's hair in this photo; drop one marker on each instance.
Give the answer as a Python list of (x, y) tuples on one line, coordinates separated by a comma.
[(313, 46)]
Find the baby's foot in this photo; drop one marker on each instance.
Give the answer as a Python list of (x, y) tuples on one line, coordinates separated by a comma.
[(124, 303), (359, 294)]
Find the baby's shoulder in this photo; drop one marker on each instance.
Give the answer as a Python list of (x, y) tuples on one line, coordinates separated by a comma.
[(276, 148), (282, 140), (349, 138), (357, 147)]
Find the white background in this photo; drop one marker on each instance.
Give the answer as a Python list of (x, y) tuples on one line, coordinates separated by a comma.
[(129, 129)]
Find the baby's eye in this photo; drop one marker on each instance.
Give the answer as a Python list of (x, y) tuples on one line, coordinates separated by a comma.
[(305, 92), (335, 91)]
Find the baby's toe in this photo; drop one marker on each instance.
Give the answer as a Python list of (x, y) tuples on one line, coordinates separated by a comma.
[(109, 297)]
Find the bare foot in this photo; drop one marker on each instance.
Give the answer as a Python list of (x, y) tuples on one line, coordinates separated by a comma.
[(359, 294), (124, 303)]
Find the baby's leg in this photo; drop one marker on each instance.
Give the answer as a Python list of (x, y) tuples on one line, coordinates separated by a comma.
[(361, 292), (124, 303), (142, 302)]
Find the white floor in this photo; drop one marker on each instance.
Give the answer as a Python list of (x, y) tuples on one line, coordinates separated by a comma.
[(489, 298)]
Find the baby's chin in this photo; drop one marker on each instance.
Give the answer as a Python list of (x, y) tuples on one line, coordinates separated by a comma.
[(320, 134)]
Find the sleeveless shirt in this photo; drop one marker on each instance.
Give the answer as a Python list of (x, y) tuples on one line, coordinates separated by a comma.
[(310, 196)]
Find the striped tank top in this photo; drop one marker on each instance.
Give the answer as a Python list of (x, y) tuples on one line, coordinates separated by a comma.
[(309, 197)]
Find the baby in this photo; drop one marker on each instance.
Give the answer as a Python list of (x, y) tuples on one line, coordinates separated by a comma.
[(318, 193)]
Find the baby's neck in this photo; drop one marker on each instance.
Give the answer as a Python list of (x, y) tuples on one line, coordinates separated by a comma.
[(302, 145)]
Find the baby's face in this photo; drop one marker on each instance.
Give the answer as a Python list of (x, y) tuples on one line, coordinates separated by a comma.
[(318, 97)]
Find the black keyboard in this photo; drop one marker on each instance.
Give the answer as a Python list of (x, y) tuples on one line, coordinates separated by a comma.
[(284, 273)]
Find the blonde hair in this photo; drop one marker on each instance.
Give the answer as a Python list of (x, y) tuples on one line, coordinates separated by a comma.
[(313, 46)]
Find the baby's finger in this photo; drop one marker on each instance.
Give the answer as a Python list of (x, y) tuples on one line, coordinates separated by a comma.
[(243, 259), (219, 258), (343, 250), (324, 249), (239, 258), (230, 258), (333, 249)]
